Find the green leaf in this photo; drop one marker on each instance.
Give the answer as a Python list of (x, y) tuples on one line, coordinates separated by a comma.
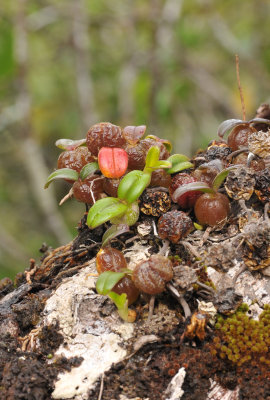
[(163, 164), (63, 173), (152, 157), (107, 280), (105, 209), (222, 176), (88, 169), (113, 231), (179, 162), (121, 302), (69, 144), (130, 217), (132, 185), (198, 226), (165, 142)]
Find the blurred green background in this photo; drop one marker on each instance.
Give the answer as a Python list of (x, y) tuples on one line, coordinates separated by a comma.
[(67, 64)]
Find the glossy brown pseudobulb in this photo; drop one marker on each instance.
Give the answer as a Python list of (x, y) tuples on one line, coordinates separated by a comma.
[(151, 276), (137, 154), (174, 225), (110, 186), (160, 178), (110, 259), (104, 134), (88, 191), (75, 159), (212, 209), (238, 138), (188, 199), (126, 285)]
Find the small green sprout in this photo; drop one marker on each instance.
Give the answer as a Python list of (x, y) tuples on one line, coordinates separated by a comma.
[(105, 283)]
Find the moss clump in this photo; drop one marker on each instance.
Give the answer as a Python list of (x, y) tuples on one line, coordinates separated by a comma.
[(241, 339)]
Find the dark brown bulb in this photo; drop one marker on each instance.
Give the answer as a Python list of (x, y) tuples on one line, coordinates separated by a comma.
[(174, 225), (150, 276), (126, 285), (75, 159), (110, 259), (238, 137), (104, 134), (110, 186), (89, 190), (160, 178), (212, 209), (137, 154)]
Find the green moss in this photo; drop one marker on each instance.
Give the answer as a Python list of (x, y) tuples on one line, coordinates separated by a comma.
[(241, 339)]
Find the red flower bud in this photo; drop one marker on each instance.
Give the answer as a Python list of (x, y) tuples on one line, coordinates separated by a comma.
[(112, 162)]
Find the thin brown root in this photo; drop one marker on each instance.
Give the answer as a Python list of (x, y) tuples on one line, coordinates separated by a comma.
[(208, 288), (151, 307), (205, 235), (154, 228), (165, 248), (101, 387), (180, 298), (250, 157), (66, 197), (191, 249), (241, 270)]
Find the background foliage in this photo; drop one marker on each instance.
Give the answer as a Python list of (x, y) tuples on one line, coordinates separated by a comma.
[(65, 65)]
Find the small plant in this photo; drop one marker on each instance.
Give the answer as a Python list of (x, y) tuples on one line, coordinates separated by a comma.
[(115, 281), (97, 169), (212, 207), (87, 185), (123, 285)]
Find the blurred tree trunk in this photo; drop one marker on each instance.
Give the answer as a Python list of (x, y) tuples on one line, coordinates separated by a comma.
[(129, 68), (80, 22), (30, 150)]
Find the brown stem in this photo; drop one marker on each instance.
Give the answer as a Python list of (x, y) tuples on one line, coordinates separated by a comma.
[(240, 87), (151, 307)]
